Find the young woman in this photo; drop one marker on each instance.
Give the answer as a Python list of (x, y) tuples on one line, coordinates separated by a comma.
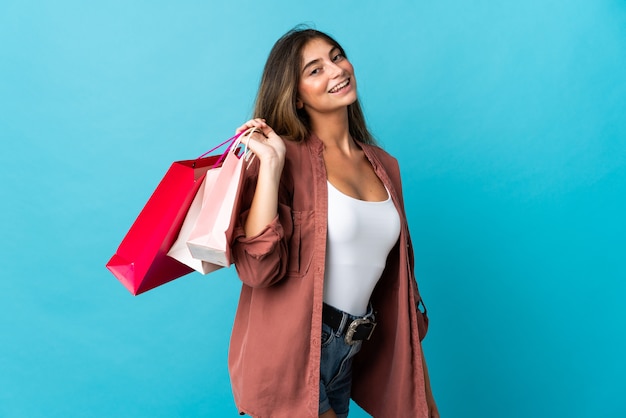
[(323, 250)]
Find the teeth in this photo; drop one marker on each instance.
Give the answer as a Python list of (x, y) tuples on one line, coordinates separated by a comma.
[(339, 86)]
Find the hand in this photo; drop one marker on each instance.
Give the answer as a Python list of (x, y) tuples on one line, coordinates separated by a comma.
[(264, 143)]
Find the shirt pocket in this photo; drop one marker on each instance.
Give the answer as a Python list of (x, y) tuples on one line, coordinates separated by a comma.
[(301, 244)]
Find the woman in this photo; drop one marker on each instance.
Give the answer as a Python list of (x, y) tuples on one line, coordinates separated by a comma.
[(323, 250)]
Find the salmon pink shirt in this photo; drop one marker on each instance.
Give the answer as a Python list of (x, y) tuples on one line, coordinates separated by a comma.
[(274, 353)]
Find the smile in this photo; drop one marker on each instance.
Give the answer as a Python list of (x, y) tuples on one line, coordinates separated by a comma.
[(339, 86)]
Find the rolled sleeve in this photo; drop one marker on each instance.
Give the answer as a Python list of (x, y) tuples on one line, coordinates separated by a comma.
[(261, 260), (263, 243)]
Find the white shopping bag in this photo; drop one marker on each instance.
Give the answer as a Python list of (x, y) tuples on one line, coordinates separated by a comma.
[(180, 250), (210, 239)]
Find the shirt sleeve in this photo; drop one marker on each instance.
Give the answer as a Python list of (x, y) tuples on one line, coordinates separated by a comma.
[(261, 260)]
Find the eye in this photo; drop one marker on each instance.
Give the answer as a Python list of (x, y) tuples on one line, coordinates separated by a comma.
[(338, 57), (315, 71)]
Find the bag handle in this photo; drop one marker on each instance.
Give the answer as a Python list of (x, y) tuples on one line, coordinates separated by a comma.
[(231, 139), (232, 142), (247, 152)]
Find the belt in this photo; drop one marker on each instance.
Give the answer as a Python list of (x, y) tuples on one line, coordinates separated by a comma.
[(358, 330)]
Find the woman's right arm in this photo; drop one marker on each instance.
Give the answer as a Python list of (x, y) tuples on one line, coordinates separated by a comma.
[(264, 226), (269, 148)]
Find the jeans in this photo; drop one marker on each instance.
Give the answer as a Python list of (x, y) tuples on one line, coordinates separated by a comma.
[(336, 368)]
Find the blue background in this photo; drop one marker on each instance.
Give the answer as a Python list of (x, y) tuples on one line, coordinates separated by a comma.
[(508, 119)]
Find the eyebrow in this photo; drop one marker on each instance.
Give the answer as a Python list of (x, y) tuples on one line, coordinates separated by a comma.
[(315, 61), (310, 64)]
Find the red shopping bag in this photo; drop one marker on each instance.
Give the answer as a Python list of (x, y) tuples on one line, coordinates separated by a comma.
[(141, 262), (210, 238)]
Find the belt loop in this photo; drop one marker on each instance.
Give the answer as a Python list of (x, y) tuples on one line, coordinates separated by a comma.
[(343, 324)]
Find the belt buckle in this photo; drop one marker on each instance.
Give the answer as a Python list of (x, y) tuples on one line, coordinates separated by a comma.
[(354, 325)]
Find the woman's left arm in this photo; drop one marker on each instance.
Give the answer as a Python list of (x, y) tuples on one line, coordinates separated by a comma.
[(393, 170)]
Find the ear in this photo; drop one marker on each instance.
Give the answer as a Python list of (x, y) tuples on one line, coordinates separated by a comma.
[(299, 103)]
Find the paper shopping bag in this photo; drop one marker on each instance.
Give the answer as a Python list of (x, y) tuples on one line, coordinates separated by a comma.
[(179, 250), (141, 262), (210, 238)]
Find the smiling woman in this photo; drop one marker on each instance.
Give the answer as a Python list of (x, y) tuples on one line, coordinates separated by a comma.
[(277, 98), (507, 119), (329, 307), (327, 79)]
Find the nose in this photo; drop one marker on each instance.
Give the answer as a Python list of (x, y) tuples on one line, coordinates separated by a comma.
[(335, 70)]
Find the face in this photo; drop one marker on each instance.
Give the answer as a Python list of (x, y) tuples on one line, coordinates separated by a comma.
[(327, 82)]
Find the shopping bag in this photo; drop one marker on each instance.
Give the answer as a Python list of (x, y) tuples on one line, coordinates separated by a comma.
[(141, 262), (179, 250), (210, 238)]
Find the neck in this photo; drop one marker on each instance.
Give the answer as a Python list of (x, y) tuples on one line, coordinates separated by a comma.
[(333, 130)]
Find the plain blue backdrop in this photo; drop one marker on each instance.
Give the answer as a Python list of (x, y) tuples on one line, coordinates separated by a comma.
[(507, 117)]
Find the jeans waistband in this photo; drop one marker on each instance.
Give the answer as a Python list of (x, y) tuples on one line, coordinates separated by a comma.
[(355, 327)]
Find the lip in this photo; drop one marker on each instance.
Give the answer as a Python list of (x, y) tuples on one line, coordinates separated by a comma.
[(348, 82)]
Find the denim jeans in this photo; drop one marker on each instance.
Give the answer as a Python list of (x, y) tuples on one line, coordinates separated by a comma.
[(336, 368)]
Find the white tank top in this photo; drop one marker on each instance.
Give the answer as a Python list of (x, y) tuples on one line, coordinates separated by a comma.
[(360, 236)]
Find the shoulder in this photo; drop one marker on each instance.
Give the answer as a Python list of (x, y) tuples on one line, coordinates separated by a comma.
[(295, 150), (297, 158), (298, 169), (388, 161)]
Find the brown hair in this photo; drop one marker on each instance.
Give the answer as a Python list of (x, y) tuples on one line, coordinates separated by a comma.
[(276, 98)]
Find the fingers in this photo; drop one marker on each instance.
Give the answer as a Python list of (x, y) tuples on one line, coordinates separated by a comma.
[(253, 123), (261, 126), (256, 135), (263, 141)]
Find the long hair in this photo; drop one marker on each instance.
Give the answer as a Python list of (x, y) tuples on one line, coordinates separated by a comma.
[(276, 98)]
